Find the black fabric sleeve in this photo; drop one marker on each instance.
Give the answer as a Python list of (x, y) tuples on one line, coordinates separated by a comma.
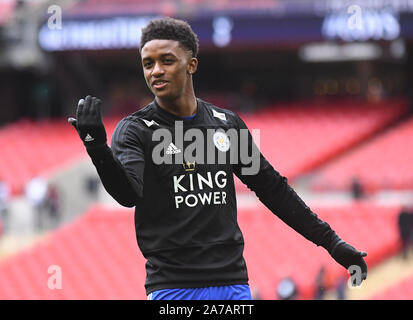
[(274, 192), (121, 167)]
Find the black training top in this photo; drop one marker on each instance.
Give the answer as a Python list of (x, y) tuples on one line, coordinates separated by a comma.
[(186, 210)]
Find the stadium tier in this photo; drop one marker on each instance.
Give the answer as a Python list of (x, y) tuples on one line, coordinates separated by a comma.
[(30, 149), (274, 251), (166, 6), (97, 256), (297, 138), (382, 163)]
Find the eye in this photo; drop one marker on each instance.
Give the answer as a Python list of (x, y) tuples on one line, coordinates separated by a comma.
[(147, 64), (168, 61)]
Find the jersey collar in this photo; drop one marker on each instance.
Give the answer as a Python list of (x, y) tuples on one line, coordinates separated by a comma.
[(171, 117)]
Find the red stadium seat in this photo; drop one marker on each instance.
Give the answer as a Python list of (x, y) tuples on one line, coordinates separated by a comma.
[(382, 163), (297, 138), (274, 251), (99, 258), (30, 149)]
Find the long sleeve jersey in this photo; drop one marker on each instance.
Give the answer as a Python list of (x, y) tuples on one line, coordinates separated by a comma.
[(186, 211)]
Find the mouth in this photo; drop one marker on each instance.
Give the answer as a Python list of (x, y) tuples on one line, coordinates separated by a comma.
[(159, 84)]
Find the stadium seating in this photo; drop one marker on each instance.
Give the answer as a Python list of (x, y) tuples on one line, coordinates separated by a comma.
[(97, 255), (295, 138), (274, 251), (30, 149), (382, 163), (299, 137), (99, 259)]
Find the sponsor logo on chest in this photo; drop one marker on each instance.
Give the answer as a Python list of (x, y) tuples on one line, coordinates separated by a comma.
[(193, 189)]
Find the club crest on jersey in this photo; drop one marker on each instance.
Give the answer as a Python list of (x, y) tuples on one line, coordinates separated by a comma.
[(221, 141)]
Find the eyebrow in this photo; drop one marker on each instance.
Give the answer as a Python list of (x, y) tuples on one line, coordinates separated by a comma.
[(163, 55)]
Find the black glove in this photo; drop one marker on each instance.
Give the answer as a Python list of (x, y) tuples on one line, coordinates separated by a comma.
[(89, 124), (348, 256)]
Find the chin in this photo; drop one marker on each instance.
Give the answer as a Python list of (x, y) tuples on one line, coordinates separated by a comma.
[(165, 95)]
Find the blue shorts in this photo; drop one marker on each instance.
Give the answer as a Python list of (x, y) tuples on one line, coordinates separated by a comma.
[(234, 292)]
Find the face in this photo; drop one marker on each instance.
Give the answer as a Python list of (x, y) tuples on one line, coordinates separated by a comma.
[(167, 68)]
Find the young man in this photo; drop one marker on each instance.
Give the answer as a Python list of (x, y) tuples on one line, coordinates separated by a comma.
[(186, 213)]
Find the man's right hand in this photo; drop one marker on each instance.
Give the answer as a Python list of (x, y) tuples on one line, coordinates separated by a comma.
[(348, 256), (88, 122)]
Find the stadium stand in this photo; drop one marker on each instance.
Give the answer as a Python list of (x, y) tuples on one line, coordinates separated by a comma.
[(30, 149), (81, 250), (274, 251), (308, 134), (149, 6), (99, 259), (327, 135), (382, 163)]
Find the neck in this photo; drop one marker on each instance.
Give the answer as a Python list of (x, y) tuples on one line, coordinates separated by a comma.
[(183, 106)]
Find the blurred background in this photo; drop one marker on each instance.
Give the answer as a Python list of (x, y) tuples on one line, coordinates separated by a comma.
[(327, 83)]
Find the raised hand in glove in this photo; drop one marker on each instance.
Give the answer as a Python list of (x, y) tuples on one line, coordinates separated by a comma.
[(88, 122), (348, 256)]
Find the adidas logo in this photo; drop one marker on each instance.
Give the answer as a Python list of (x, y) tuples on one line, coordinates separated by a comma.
[(172, 149), (89, 138)]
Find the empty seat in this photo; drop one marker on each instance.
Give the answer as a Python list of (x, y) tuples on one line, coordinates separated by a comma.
[(382, 163), (99, 258), (30, 149)]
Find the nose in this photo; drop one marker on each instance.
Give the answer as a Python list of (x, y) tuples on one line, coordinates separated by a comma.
[(157, 70)]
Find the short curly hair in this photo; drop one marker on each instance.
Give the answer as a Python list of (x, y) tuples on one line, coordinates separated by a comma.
[(171, 29)]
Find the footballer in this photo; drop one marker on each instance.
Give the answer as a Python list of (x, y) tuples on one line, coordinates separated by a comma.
[(185, 209)]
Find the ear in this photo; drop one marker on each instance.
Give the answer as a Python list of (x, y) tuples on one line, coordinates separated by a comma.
[(192, 66)]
